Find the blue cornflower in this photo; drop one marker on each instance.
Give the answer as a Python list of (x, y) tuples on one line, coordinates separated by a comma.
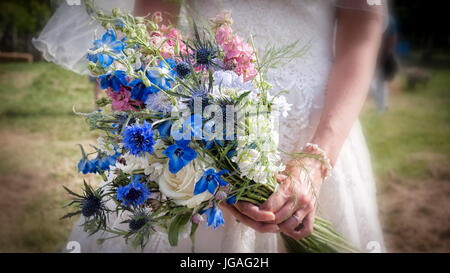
[(108, 43), (213, 216), (135, 193), (113, 80), (162, 76), (179, 154), (210, 180), (138, 139)]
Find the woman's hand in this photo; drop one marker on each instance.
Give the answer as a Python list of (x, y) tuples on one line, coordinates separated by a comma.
[(295, 200), (296, 195), (252, 216)]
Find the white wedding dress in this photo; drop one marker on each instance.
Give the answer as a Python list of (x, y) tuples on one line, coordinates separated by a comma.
[(348, 198)]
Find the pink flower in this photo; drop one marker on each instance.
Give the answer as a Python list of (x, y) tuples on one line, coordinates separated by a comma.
[(157, 17), (166, 39), (223, 18), (239, 55), (223, 33), (121, 100)]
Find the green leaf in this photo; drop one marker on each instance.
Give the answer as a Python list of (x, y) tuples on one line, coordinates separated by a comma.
[(72, 193), (177, 94), (192, 235), (242, 96), (70, 215), (180, 221), (210, 81)]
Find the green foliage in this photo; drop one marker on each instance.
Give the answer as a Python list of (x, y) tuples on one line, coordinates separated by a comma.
[(177, 224), (26, 16), (413, 132)]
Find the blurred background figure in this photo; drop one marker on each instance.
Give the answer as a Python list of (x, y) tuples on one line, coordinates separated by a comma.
[(387, 66)]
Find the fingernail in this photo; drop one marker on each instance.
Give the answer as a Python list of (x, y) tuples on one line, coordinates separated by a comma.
[(272, 215)]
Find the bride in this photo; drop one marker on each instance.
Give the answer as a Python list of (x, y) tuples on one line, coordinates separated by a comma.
[(328, 86)]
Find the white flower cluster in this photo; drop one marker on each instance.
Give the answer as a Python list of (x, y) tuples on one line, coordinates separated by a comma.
[(227, 83), (151, 166), (106, 146), (257, 155), (159, 102), (280, 105)]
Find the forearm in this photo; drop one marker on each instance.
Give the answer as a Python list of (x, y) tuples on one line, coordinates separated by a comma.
[(357, 42), (169, 9)]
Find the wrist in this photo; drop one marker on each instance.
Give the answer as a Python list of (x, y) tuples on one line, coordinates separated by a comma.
[(320, 158), (323, 142)]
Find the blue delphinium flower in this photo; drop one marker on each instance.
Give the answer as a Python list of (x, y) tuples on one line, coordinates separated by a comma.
[(113, 80), (179, 154), (231, 199), (164, 129), (103, 162), (138, 139), (85, 165), (213, 216), (108, 43), (192, 128), (162, 76), (133, 194), (210, 136), (210, 180), (139, 91)]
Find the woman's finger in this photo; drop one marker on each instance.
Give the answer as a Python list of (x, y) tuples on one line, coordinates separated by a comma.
[(254, 212), (280, 177), (279, 198), (258, 226), (285, 212), (292, 223), (306, 228)]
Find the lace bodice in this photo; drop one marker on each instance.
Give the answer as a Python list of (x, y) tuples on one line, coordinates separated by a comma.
[(281, 23)]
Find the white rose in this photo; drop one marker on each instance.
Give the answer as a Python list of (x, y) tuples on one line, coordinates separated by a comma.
[(180, 186)]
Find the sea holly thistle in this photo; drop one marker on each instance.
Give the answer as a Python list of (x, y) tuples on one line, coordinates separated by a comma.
[(204, 52), (90, 204), (140, 227)]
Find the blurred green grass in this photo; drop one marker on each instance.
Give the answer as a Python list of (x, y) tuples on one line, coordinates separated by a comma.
[(39, 133), (413, 132), (38, 152)]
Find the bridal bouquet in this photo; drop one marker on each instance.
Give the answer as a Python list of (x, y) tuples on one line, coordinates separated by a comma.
[(193, 124)]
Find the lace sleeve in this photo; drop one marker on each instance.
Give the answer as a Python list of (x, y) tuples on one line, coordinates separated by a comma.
[(379, 7)]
